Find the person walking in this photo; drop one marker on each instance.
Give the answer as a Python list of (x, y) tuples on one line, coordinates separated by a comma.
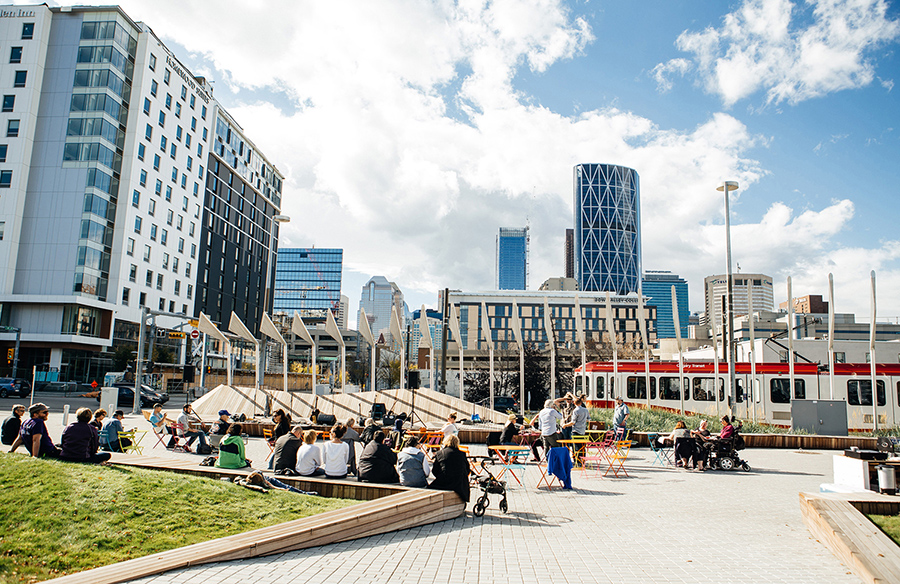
[(620, 417)]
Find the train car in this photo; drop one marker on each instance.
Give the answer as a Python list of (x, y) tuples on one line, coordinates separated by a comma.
[(767, 399)]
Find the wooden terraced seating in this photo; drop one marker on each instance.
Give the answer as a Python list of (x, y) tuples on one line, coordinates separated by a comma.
[(385, 508), (837, 521)]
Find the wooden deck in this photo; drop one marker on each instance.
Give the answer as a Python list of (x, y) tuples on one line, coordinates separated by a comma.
[(386, 508), (837, 521)]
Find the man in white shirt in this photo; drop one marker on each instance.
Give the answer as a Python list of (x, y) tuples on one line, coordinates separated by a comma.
[(185, 419), (548, 418)]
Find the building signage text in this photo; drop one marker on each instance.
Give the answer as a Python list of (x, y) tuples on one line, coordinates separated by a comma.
[(187, 78), (17, 13)]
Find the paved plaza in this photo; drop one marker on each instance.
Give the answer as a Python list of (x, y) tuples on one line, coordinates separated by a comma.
[(658, 525)]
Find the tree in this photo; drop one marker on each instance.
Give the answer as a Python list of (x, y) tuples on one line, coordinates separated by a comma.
[(163, 355), (389, 373), (123, 357), (537, 378)]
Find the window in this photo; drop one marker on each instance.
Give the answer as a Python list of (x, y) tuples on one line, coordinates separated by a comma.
[(163, 142), (149, 278), (184, 204), (162, 119), (179, 223), (20, 78), (174, 175), (187, 141), (143, 300), (175, 264), (169, 217), (669, 388), (3, 149), (147, 106), (166, 76), (151, 208), (193, 250), (840, 357), (859, 392), (190, 162), (192, 102), (152, 62), (164, 237), (190, 291), (148, 133), (203, 115), (704, 389), (183, 92), (165, 261), (126, 293), (177, 288), (158, 188), (129, 247), (193, 124), (141, 151), (184, 182), (15, 55), (168, 101), (168, 193), (636, 387), (200, 152), (146, 253), (780, 390), (159, 281), (137, 224), (181, 246), (178, 131), (153, 229), (196, 189), (177, 110), (9, 102), (153, 87), (143, 179), (12, 128), (172, 149), (191, 230), (132, 273), (200, 173), (156, 162), (5, 179), (136, 198), (27, 31)]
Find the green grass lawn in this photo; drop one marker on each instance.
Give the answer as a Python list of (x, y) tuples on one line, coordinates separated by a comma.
[(890, 524), (57, 518)]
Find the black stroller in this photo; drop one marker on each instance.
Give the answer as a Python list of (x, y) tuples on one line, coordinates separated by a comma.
[(489, 485)]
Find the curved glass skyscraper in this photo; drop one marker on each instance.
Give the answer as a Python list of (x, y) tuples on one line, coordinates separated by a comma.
[(607, 228)]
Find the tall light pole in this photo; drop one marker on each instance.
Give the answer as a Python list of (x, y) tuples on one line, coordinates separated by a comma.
[(260, 375), (729, 186)]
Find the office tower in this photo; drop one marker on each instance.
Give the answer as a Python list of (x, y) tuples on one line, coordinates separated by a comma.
[(342, 314), (607, 228), (512, 258), (716, 288), (124, 184), (308, 281), (378, 298), (570, 253), (657, 289)]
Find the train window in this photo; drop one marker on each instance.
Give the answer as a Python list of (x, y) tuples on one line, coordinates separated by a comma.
[(779, 390), (636, 387), (859, 392), (668, 388), (599, 387), (577, 384), (704, 388)]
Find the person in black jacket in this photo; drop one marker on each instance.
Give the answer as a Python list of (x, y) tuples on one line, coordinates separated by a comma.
[(377, 463), (369, 430), (80, 440), (12, 424), (451, 469)]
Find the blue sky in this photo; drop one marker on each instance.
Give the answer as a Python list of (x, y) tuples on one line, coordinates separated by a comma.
[(409, 131)]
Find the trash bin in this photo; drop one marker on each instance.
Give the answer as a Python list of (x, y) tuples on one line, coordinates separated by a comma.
[(887, 480)]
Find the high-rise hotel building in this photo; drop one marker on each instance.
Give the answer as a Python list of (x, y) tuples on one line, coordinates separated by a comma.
[(123, 183)]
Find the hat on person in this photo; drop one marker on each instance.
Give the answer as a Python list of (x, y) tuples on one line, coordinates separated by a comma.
[(38, 407), (511, 417), (224, 413), (619, 399)]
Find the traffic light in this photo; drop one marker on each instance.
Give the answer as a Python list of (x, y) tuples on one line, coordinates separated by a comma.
[(10, 355)]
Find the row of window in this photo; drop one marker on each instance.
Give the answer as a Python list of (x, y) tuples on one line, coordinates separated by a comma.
[(142, 301)]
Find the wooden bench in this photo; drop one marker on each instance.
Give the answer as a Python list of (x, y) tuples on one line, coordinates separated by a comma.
[(836, 521)]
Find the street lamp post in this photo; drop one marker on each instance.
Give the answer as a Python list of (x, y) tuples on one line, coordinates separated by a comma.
[(729, 186), (269, 288)]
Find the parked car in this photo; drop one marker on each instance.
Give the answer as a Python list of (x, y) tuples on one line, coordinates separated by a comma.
[(17, 387), (502, 403), (149, 397)]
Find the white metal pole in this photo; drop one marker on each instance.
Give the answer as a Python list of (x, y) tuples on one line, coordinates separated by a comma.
[(372, 369), (642, 321), (752, 398), (678, 341), (284, 352), (729, 344), (831, 335), (714, 320), (203, 363), (872, 359), (229, 367), (790, 331)]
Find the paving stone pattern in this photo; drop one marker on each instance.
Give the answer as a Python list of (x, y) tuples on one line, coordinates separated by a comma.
[(658, 525)]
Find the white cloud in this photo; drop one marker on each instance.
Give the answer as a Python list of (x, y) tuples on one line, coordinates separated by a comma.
[(662, 73), (777, 48)]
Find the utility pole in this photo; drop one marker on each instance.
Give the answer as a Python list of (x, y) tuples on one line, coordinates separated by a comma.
[(445, 320)]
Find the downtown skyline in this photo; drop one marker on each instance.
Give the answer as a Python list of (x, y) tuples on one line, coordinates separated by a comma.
[(408, 132)]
